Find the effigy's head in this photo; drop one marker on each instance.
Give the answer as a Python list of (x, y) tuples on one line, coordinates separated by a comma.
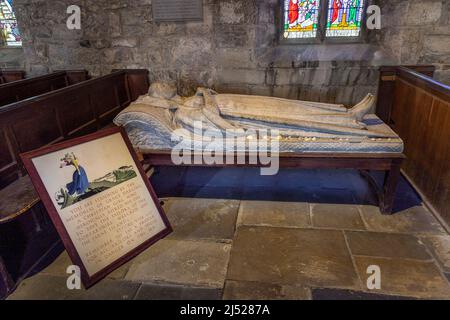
[(162, 90)]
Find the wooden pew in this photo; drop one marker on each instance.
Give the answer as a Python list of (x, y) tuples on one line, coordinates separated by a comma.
[(22, 89), (28, 241), (11, 75), (386, 87), (418, 109), (63, 114)]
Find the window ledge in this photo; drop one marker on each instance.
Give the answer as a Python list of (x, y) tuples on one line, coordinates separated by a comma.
[(12, 47), (324, 52)]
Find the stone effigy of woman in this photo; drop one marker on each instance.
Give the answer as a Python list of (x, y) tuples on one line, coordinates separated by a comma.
[(292, 118)]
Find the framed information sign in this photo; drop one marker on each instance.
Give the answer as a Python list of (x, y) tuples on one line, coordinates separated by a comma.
[(177, 10), (99, 199)]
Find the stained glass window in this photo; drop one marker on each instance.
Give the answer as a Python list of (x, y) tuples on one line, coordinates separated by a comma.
[(344, 18), (301, 18), (8, 25)]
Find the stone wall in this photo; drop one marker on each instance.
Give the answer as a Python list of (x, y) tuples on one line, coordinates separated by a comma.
[(12, 58), (418, 32), (234, 49)]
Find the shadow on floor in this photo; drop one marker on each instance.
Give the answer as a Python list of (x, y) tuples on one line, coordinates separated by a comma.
[(339, 294), (296, 185)]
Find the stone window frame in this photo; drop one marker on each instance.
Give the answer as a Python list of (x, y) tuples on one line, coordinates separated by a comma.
[(321, 37)]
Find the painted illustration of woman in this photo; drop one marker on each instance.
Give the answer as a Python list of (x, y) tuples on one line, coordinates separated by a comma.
[(80, 182)]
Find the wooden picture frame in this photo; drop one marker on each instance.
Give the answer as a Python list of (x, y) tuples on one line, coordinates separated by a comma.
[(32, 162)]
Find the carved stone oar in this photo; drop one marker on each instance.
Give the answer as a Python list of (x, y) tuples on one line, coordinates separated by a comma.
[(322, 127)]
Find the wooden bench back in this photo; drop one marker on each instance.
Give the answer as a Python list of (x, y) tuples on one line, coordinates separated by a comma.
[(63, 114), (11, 75), (421, 116), (386, 87), (419, 111), (22, 89)]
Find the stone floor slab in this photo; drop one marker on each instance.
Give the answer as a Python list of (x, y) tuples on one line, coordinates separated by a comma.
[(413, 220), (330, 195), (198, 219), (48, 287), (291, 256), (176, 292), (336, 216), (275, 214), (199, 192), (195, 263), (440, 248), (388, 245), (242, 290), (166, 202), (403, 277), (59, 267)]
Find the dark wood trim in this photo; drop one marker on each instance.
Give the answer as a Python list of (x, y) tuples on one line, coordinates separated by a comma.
[(386, 87), (420, 115), (11, 75), (34, 79), (137, 82), (392, 177), (23, 89), (76, 76), (62, 114), (6, 283), (424, 82), (88, 83), (427, 69), (388, 162)]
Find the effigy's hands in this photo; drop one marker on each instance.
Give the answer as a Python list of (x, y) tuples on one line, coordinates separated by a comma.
[(211, 109)]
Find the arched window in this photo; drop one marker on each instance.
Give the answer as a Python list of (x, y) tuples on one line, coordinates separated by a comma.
[(321, 20), (10, 35)]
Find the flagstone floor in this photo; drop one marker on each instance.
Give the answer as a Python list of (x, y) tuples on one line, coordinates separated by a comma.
[(299, 235)]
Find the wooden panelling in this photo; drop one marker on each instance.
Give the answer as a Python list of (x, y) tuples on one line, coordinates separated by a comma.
[(77, 76), (387, 87), (62, 114), (11, 75), (30, 135), (110, 99), (27, 88), (76, 112), (421, 116), (5, 157), (32, 123), (138, 83)]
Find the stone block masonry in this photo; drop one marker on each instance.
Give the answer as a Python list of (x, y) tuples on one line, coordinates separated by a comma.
[(234, 49)]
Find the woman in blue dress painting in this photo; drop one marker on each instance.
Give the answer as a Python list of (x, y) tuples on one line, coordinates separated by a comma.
[(80, 182)]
